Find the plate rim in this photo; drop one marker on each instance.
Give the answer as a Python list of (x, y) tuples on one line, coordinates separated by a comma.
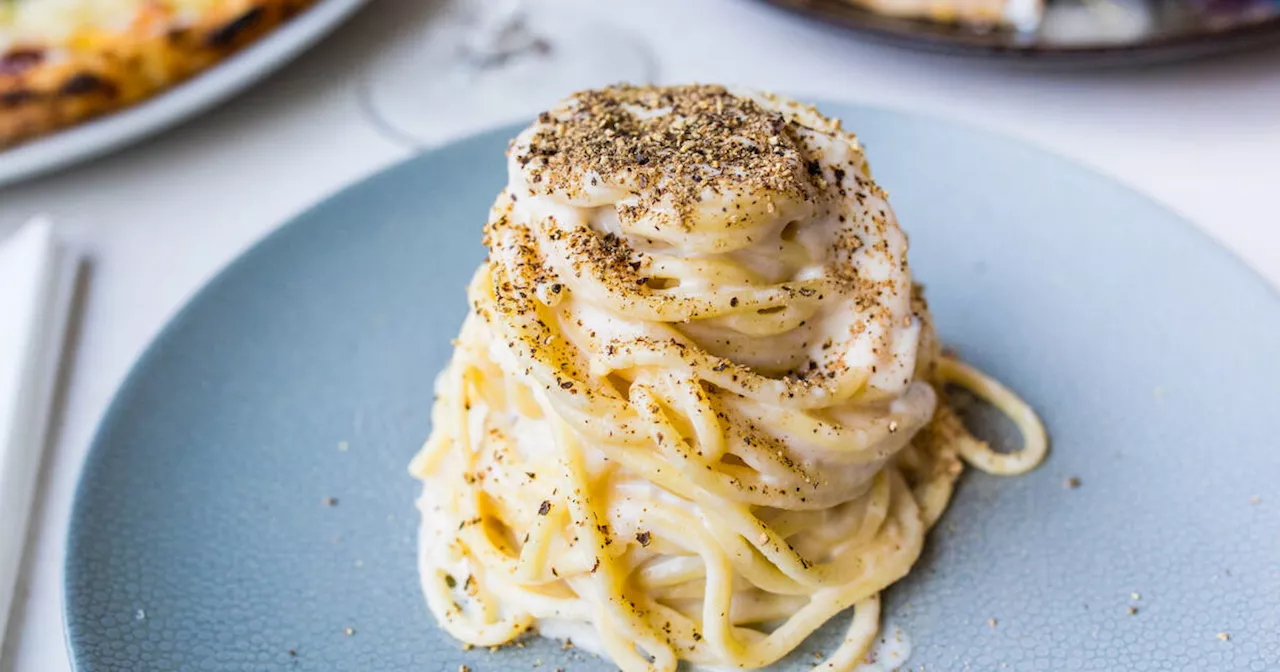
[(1166, 49), (114, 131), (78, 517)]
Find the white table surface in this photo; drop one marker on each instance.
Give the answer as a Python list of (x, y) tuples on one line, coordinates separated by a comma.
[(159, 219)]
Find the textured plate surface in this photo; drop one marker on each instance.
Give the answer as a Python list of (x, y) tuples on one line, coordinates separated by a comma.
[(113, 131), (201, 540)]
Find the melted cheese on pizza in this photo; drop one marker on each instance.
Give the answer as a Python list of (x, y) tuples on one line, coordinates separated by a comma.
[(49, 23)]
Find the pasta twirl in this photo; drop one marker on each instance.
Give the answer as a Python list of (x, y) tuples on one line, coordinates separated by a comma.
[(698, 407)]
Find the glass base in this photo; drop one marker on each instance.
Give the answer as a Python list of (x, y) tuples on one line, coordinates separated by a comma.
[(434, 85)]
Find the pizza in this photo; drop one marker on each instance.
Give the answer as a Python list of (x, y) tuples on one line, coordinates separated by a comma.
[(63, 62), (1021, 15)]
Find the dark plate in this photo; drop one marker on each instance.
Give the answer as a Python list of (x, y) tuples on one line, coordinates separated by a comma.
[(1081, 33)]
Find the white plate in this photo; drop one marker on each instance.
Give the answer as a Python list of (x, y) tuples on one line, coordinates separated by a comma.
[(116, 130)]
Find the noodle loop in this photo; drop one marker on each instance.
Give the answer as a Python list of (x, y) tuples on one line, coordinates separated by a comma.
[(696, 410)]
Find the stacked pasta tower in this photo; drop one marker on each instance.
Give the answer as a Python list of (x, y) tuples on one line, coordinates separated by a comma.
[(694, 412)]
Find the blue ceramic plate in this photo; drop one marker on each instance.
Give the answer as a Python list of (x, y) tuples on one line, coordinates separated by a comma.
[(201, 538)]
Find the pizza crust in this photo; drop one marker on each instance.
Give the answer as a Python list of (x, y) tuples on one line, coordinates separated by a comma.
[(44, 89)]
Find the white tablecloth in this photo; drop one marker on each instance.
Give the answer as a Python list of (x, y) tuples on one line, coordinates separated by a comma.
[(159, 219)]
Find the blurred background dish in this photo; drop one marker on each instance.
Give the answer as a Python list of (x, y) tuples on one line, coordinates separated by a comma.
[(114, 129), (1077, 33)]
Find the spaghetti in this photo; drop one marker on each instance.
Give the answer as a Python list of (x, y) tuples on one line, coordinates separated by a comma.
[(697, 408)]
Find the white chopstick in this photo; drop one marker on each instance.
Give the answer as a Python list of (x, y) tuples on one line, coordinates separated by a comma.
[(37, 279)]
